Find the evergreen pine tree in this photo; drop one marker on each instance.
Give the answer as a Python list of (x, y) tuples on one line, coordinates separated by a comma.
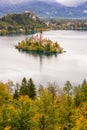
[(16, 94), (31, 89), (28, 88), (23, 88)]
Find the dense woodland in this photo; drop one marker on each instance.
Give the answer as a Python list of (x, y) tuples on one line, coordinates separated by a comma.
[(29, 107), (28, 23), (67, 24), (25, 23)]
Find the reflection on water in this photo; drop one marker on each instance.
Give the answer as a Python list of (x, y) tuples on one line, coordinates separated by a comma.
[(43, 68), (40, 55)]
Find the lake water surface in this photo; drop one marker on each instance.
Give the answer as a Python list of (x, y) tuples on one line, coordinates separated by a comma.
[(72, 65)]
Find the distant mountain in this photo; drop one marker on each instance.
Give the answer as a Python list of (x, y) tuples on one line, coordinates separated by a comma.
[(45, 9)]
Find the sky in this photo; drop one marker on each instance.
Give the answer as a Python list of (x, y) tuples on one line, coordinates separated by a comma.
[(64, 2), (71, 2)]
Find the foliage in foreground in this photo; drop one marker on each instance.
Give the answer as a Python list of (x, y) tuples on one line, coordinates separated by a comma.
[(50, 108)]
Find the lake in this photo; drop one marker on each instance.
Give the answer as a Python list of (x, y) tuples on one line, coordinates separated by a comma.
[(72, 65)]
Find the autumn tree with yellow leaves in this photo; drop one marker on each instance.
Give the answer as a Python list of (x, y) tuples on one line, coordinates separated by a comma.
[(52, 108)]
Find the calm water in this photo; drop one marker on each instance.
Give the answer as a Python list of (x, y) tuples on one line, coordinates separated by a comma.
[(72, 65)]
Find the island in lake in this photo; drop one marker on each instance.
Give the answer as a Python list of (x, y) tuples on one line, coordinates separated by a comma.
[(38, 44)]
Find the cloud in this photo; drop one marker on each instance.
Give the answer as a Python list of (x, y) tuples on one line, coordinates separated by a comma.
[(71, 2)]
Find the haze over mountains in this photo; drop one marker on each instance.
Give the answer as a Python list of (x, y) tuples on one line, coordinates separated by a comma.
[(45, 9)]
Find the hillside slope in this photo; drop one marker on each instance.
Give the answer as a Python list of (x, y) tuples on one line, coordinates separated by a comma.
[(24, 23)]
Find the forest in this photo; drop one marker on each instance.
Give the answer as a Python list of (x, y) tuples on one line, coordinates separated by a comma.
[(25, 23), (26, 106), (29, 23), (67, 24)]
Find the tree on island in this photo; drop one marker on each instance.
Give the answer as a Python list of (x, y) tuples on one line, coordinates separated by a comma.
[(39, 44)]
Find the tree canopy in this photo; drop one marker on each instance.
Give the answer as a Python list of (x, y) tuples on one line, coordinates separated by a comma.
[(49, 108), (25, 23)]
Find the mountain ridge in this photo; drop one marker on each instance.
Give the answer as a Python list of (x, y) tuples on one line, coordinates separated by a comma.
[(46, 9)]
